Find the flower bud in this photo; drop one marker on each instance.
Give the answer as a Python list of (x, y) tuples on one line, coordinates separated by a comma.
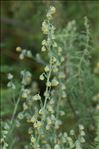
[(18, 49), (41, 77), (52, 10), (54, 82), (46, 69)]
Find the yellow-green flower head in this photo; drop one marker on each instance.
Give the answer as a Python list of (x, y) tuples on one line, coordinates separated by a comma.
[(11, 85), (33, 140), (25, 107), (27, 77), (72, 132), (41, 77), (39, 124), (17, 123), (29, 54), (45, 27), (59, 49), (20, 116), (57, 124), (43, 49), (82, 140), (57, 146), (30, 130), (47, 69), (47, 127), (18, 49), (48, 84), (50, 109), (44, 43), (82, 133), (52, 10), (36, 97), (49, 121), (10, 76), (41, 111), (25, 93), (49, 16), (62, 59), (81, 127), (21, 56), (46, 94), (53, 60), (55, 45), (33, 119), (54, 82)]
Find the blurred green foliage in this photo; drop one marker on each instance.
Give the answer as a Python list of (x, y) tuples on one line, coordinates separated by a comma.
[(21, 22)]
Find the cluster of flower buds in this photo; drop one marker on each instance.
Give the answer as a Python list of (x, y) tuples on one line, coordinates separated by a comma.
[(26, 77), (82, 134), (48, 28), (24, 53), (45, 25), (10, 83), (4, 133), (51, 12)]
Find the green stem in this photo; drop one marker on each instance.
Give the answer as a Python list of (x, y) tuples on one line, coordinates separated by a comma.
[(48, 78), (15, 109)]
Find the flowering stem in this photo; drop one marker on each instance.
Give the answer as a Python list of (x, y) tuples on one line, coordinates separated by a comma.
[(46, 97)]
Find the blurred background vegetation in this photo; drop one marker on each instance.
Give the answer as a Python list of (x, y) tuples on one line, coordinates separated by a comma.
[(21, 26)]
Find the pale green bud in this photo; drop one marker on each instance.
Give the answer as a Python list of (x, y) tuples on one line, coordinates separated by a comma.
[(47, 69), (48, 84), (82, 140), (39, 124), (52, 10), (18, 49), (54, 82), (57, 146), (21, 56), (47, 127), (10, 76), (45, 28), (49, 16), (20, 116), (44, 43), (41, 77), (72, 132), (36, 97), (43, 49), (82, 133), (81, 127), (25, 107), (33, 140), (29, 54)]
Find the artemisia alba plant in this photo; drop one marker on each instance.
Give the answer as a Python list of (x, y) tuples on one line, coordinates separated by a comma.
[(46, 119), (63, 74)]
